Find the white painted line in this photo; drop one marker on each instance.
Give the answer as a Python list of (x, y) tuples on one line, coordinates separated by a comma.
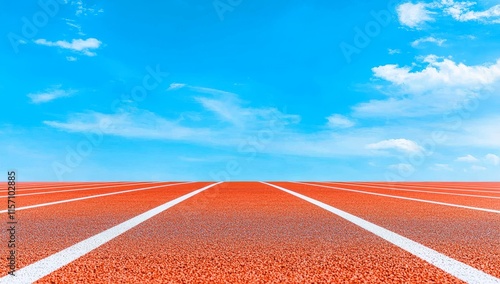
[(78, 189), (405, 198), (454, 267), (414, 190), (92, 196), (44, 267), (22, 189), (457, 188)]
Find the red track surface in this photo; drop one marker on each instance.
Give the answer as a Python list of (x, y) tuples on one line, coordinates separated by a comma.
[(251, 232)]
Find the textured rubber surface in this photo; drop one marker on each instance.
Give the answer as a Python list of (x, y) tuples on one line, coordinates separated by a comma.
[(254, 233)]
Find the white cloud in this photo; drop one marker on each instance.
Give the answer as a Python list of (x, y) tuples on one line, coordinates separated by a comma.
[(442, 85), (175, 86), (481, 133), (439, 72), (430, 39), (227, 123), (402, 145), (492, 159), (82, 9), (74, 25), (441, 167), (71, 58), (226, 110), (137, 124), (339, 121), (394, 51), (468, 159), (203, 127), (477, 168), (81, 45), (229, 108), (413, 15), (461, 11), (49, 95)]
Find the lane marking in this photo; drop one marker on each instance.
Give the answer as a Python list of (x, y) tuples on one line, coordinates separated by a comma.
[(414, 190), (392, 185), (92, 196), (454, 267), (477, 185), (71, 190), (21, 189), (461, 188), (404, 198), (44, 267)]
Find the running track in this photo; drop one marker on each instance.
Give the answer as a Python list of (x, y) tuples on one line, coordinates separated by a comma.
[(250, 232)]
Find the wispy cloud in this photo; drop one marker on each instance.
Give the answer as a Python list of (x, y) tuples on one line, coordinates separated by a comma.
[(401, 145), (75, 26), (138, 124), (176, 86), (84, 46), (265, 129), (477, 168), (462, 11), (468, 159), (492, 159), (339, 121), (228, 107), (393, 51), (430, 39), (82, 9), (441, 167), (415, 15), (49, 95)]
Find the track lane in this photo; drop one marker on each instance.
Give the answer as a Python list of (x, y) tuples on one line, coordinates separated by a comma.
[(54, 185), (33, 200), (481, 202), (493, 187), (103, 186), (248, 232), (466, 235), (46, 230), (431, 189), (456, 268), (401, 197)]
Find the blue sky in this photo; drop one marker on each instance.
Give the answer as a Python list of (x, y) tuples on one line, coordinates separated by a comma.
[(250, 90)]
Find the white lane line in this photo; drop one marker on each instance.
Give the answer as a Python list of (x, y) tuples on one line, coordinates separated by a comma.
[(71, 190), (21, 189), (414, 190), (458, 188), (405, 198), (471, 185), (44, 267), (92, 196), (454, 267)]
